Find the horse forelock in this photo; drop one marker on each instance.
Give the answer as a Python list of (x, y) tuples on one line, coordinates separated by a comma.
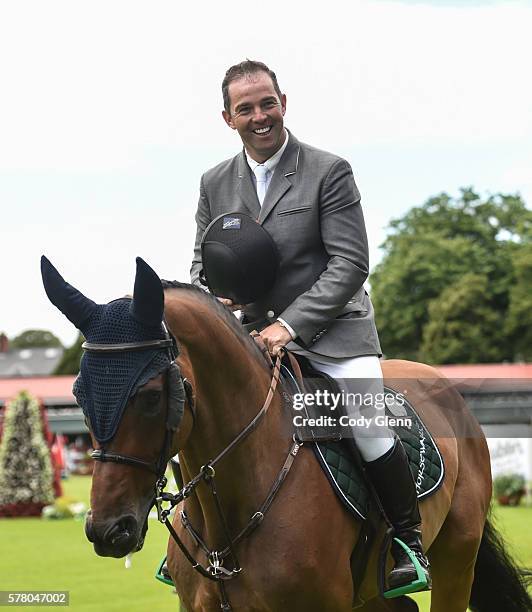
[(219, 309)]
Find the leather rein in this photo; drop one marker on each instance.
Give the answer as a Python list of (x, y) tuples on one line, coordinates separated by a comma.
[(215, 570)]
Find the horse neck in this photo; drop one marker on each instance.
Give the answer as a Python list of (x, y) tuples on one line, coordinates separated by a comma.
[(231, 385)]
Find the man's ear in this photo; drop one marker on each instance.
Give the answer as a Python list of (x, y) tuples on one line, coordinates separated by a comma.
[(228, 119), (283, 104)]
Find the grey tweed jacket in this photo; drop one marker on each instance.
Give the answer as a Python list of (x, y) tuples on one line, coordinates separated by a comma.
[(312, 210)]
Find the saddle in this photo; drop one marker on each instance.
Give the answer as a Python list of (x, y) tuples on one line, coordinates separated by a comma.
[(339, 457)]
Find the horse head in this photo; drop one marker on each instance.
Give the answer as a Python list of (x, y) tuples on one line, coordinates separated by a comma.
[(132, 395)]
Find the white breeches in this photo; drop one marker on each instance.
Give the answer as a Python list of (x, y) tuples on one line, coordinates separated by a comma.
[(361, 377)]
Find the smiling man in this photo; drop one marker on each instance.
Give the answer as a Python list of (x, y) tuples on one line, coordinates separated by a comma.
[(308, 202), (255, 108)]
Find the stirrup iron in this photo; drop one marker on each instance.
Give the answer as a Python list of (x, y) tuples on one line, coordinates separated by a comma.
[(420, 584), (159, 575)]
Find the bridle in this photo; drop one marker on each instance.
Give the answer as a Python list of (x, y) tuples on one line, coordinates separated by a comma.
[(215, 571)]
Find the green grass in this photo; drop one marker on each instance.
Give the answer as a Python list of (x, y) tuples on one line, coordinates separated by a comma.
[(514, 525), (77, 487), (55, 555)]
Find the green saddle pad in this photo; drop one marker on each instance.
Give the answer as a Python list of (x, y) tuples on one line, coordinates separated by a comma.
[(426, 462)]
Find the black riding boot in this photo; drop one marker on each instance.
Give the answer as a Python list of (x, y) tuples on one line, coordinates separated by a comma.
[(394, 484)]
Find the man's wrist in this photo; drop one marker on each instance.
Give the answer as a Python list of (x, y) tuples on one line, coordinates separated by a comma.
[(284, 324)]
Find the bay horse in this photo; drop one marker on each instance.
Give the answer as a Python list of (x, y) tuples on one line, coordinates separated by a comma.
[(298, 558)]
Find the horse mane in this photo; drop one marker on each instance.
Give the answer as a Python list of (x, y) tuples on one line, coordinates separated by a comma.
[(222, 310)]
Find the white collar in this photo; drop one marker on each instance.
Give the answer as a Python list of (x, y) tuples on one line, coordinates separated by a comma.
[(272, 162)]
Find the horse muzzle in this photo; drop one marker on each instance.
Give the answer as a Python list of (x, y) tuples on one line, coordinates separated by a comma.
[(115, 537)]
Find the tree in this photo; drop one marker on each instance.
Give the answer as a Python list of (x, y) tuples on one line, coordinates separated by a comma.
[(453, 273), (26, 477), (69, 363), (36, 338), (462, 326), (519, 321)]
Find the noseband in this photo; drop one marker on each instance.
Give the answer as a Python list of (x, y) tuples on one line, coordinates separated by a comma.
[(177, 386)]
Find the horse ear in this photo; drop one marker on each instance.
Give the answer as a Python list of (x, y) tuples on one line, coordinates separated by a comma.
[(148, 296), (71, 302)]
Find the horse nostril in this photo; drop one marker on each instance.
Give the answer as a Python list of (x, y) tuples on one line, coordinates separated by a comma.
[(115, 534), (122, 530)]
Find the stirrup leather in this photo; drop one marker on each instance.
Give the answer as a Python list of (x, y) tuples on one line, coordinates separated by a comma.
[(420, 584)]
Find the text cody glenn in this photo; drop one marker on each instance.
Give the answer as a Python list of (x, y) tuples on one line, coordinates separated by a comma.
[(380, 420)]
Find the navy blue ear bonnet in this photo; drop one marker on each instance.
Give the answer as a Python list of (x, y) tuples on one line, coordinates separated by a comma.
[(103, 397), (108, 380)]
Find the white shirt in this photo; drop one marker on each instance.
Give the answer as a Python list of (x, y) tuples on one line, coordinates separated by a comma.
[(269, 164)]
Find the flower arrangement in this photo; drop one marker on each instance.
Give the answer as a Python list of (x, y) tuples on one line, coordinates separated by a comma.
[(26, 475)]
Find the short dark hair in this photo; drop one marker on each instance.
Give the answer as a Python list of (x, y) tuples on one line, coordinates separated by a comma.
[(242, 70)]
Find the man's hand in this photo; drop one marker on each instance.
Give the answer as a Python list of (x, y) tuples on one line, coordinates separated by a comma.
[(275, 336), (229, 304)]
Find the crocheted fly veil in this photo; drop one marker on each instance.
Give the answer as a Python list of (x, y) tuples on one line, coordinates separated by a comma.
[(108, 380)]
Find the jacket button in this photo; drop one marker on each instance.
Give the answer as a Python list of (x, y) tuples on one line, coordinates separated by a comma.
[(270, 314)]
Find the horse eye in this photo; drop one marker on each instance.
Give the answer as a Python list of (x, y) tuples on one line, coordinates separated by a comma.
[(151, 398)]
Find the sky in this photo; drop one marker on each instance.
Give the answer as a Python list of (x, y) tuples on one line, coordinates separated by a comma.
[(110, 112)]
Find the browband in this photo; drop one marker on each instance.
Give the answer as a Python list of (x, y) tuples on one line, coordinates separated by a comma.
[(127, 346)]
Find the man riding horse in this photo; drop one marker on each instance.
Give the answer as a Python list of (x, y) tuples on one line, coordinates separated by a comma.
[(308, 202)]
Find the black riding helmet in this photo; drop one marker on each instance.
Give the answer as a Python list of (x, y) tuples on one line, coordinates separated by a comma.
[(240, 259)]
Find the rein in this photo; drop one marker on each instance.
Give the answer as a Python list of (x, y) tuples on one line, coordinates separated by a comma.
[(215, 570)]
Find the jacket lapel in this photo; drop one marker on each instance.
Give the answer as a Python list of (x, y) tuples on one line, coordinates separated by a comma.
[(281, 181), (245, 188)]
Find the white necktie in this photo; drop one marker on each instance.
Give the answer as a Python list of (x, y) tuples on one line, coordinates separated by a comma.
[(261, 173)]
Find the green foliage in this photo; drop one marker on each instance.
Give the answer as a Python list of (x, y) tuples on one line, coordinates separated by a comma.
[(462, 326), (69, 363), (454, 284), (35, 338), (508, 484), (519, 320)]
